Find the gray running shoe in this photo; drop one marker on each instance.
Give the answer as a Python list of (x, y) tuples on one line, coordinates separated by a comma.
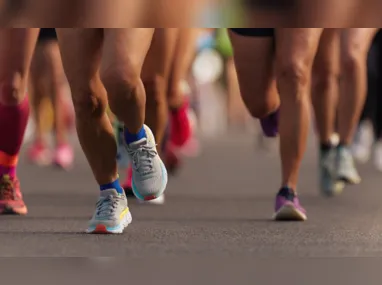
[(112, 214), (346, 170), (149, 177), (329, 184)]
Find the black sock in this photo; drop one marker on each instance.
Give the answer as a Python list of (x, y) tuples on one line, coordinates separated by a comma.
[(325, 146)]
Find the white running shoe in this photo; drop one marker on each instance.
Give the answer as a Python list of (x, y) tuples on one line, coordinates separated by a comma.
[(149, 178)]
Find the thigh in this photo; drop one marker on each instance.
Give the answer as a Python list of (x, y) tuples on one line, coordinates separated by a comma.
[(125, 49), (16, 50), (254, 57), (297, 46), (356, 40), (159, 57), (327, 58), (81, 51)]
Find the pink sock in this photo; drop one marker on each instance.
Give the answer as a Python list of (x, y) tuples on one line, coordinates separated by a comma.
[(13, 121), (9, 170)]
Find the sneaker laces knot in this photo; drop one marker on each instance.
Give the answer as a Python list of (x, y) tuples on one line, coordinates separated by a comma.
[(142, 159), (106, 206)]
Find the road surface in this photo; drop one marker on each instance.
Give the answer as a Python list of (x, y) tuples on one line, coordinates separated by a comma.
[(218, 206)]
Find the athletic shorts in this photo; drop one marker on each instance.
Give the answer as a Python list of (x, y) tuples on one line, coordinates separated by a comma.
[(47, 35), (270, 5), (252, 32)]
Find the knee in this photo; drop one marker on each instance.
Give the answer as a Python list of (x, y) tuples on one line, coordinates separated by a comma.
[(89, 99), (12, 89), (352, 59), (155, 90), (292, 78), (120, 84)]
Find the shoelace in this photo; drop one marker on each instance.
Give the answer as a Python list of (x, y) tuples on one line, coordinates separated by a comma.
[(106, 206), (6, 188), (142, 159)]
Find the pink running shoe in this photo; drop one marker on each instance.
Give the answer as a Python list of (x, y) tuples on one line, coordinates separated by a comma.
[(11, 199), (126, 185), (39, 154), (63, 156)]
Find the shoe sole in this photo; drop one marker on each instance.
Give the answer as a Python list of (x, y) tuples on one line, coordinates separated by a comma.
[(289, 213), (348, 180), (158, 201), (102, 229), (337, 189), (17, 211)]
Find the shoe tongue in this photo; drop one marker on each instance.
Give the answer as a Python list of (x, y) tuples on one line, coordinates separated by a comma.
[(139, 143), (287, 193), (108, 192)]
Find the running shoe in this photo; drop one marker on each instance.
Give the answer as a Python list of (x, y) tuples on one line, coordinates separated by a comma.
[(63, 156), (329, 184), (287, 206), (112, 214), (270, 124), (39, 154), (363, 142), (181, 131), (172, 159), (149, 174), (129, 190), (345, 167), (11, 199), (378, 156), (127, 184)]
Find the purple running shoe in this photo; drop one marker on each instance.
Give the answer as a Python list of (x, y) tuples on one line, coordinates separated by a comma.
[(270, 124), (288, 207)]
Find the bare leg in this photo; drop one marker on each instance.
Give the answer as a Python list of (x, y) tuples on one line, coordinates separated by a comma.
[(355, 44), (155, 75), (81, 51), (325, 84), (295, 51)]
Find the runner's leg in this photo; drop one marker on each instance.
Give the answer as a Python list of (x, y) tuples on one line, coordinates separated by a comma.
[(16, 49), (325, 83), (124, 52)]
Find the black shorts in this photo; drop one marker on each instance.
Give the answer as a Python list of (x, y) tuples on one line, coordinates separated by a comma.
[(270, 5), (47, 35), (252, 32)]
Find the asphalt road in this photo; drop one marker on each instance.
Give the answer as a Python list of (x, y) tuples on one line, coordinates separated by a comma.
[(219, 205)]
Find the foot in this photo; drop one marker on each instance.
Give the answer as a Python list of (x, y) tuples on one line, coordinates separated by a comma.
[(378, 156), (180, 126), (63, 156), (149, 174), (39, 154), (287, 207), (11, 199), (270, 124), (126, 185), (329, 184), (129, 190), (112, 214), (345, 167), (172, 159), (363, 142)]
